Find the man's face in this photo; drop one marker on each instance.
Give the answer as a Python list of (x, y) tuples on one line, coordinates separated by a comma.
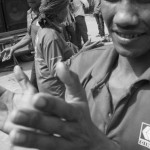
[(128, 22), (34, 3)]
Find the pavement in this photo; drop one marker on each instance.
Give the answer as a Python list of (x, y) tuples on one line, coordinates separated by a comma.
[(8, 80)]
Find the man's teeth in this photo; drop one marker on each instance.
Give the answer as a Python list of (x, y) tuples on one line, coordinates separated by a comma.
[(129, 36)]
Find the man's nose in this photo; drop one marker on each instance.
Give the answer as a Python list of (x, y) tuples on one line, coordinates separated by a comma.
[(126, 14)]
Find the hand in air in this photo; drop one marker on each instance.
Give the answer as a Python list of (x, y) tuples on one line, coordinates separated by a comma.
[(6, 54)]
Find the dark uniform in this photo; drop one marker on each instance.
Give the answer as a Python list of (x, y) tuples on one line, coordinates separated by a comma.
[(126, 123)]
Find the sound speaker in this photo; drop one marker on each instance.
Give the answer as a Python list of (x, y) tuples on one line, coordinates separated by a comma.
[(2, 25), (15, 14)]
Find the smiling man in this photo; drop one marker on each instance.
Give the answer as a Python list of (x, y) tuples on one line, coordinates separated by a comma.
[(110, 111)]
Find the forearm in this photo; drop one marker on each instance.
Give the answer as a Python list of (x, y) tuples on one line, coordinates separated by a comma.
[(23, 42)]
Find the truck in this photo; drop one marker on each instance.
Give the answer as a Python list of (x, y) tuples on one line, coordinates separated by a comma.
[(13, 26)]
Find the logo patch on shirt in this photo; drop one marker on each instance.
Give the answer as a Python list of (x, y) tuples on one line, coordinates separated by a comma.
[(144, 137)]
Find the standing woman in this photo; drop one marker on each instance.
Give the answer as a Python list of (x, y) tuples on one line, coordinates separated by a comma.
[(51, 46)]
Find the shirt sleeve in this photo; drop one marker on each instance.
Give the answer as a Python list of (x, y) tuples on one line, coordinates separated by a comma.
[(52, 54), (54, 51)]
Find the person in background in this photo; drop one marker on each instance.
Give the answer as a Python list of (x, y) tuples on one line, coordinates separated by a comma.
[(77, 7), (51, 46), (99, 20), (32, 28), (69, 25), (108, 89)]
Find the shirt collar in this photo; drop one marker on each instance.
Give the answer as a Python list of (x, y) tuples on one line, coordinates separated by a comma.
[(106, 63), (145, 75)]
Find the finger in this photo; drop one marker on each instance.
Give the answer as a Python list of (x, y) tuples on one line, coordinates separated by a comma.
[(54, 106), (47, 124), (39, 141), (23, 80), (71, 82)]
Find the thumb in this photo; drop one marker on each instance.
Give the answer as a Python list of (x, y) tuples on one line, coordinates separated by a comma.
[(72, 83), (23, 81)]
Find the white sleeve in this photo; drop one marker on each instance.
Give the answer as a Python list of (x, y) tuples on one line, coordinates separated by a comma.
[(86, 3)]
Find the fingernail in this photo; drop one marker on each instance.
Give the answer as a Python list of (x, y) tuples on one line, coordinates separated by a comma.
[(21, 117), (41, 103), (18, 137)]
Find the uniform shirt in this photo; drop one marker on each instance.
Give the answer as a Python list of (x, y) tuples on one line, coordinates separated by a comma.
[(128, 124), (32, 25), (50, 48), (77, 7)]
